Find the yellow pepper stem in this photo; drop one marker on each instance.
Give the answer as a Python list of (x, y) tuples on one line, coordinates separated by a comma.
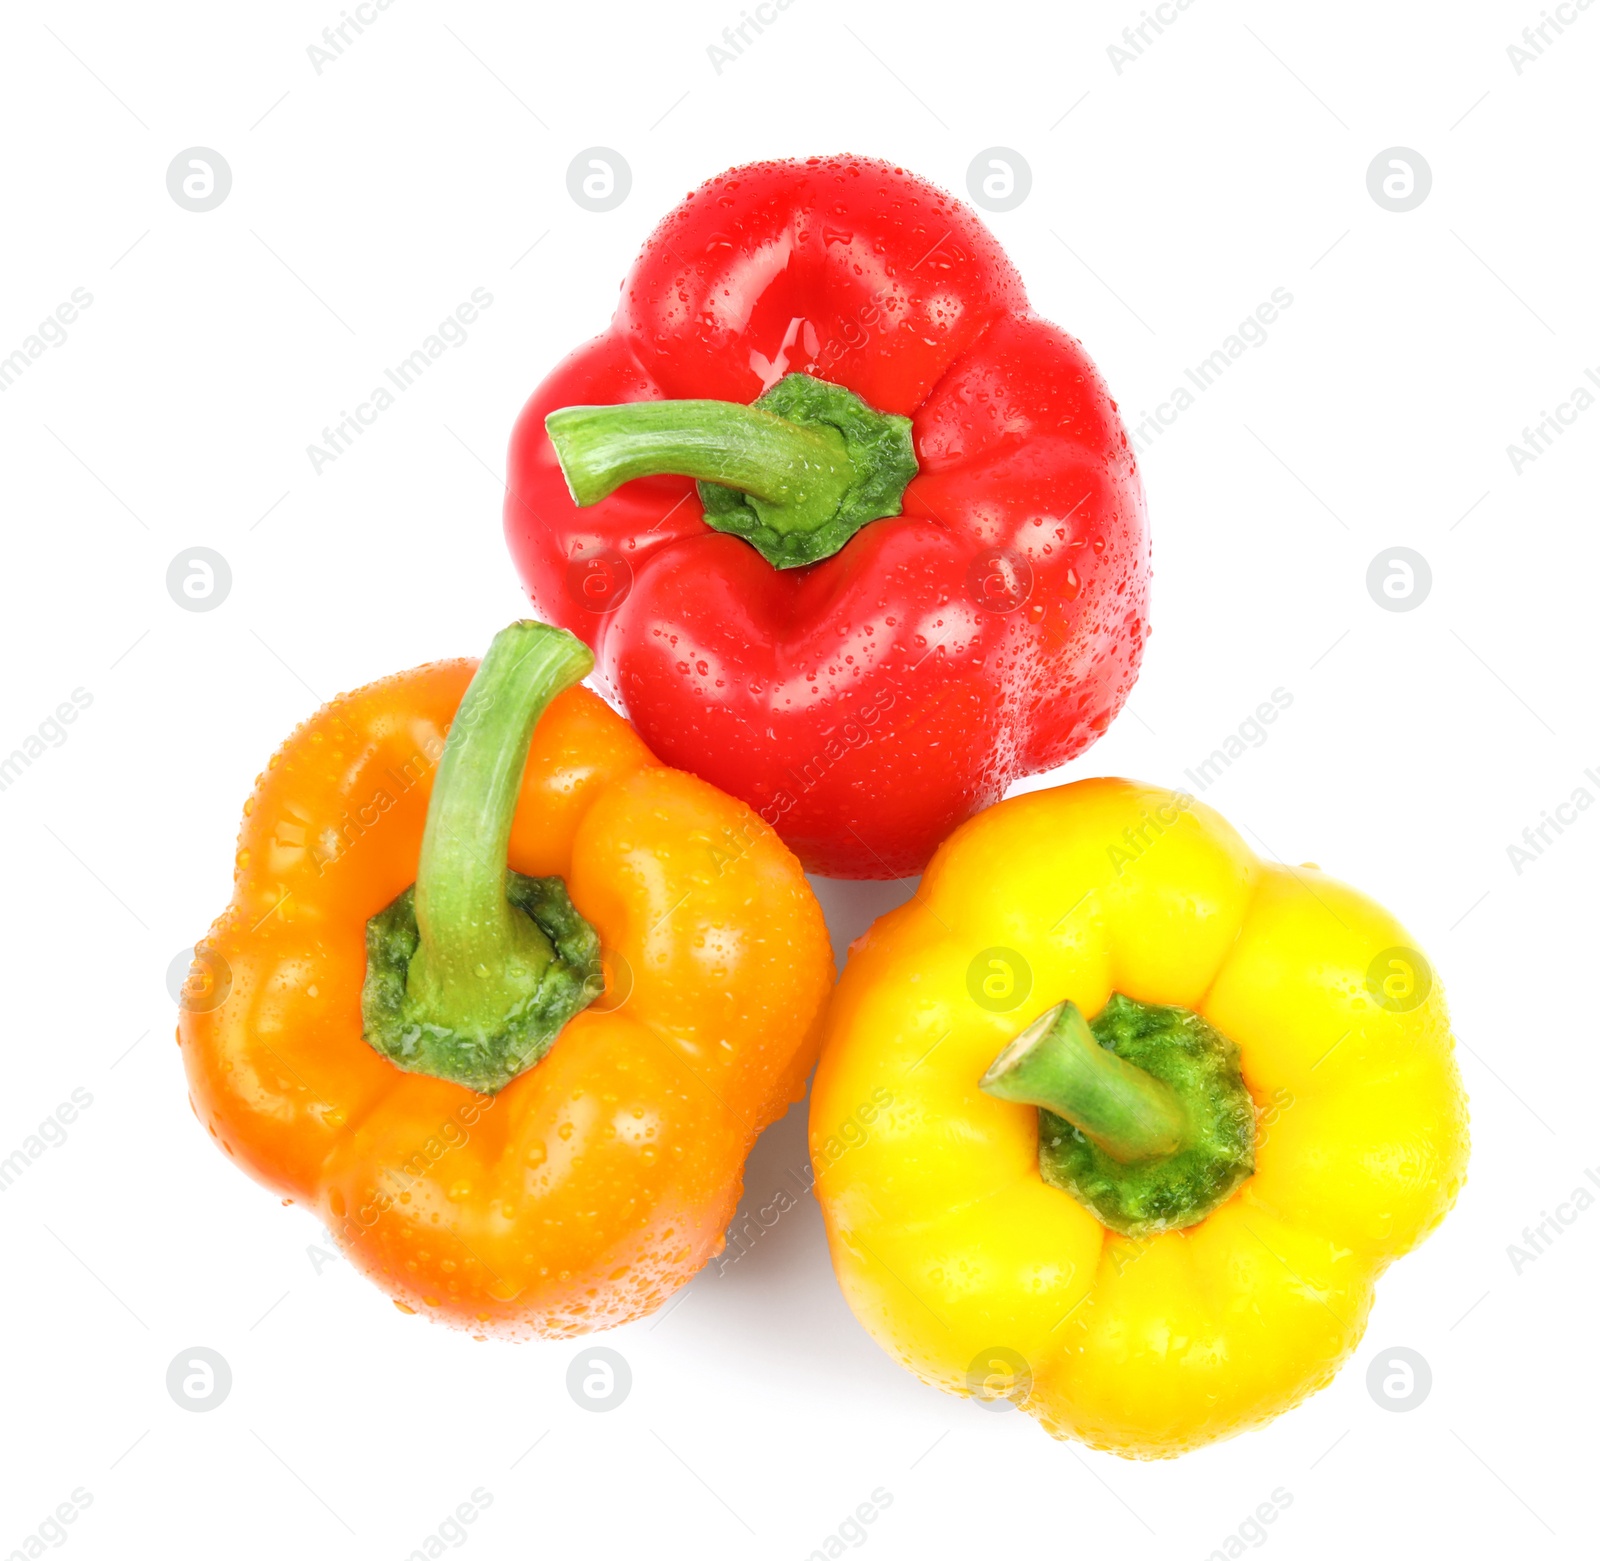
[(1144, 1116), (1056, 1063)]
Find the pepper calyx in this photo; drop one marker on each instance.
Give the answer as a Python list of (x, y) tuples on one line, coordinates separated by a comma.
[(1144, 1116), (474, 970), (795, 474), (487, 1056)]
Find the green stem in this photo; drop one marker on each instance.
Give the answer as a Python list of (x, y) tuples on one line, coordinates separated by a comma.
[(476, 951), (796, 474), (799, 473), (1056, 1063), (473, 972)]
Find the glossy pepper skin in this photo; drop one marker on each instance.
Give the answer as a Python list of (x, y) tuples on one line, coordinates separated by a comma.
[(588, 1189), (950, 1247), (867, 703)]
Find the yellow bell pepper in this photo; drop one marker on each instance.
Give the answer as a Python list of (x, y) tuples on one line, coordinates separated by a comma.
[(1170, 1236)]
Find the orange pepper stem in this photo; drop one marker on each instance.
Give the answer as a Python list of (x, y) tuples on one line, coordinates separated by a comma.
[(471, 937), (473, 972)]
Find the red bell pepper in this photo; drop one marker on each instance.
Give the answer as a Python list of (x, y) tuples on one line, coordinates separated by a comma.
[(864, 660)]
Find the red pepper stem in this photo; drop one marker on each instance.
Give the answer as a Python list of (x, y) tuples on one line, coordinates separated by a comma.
[(801, 474), (796, 474)]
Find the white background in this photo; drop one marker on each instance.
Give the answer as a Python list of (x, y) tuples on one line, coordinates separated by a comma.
[(1167, 202)]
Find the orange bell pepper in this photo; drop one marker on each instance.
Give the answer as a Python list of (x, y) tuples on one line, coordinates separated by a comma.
[(583, 1152)]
